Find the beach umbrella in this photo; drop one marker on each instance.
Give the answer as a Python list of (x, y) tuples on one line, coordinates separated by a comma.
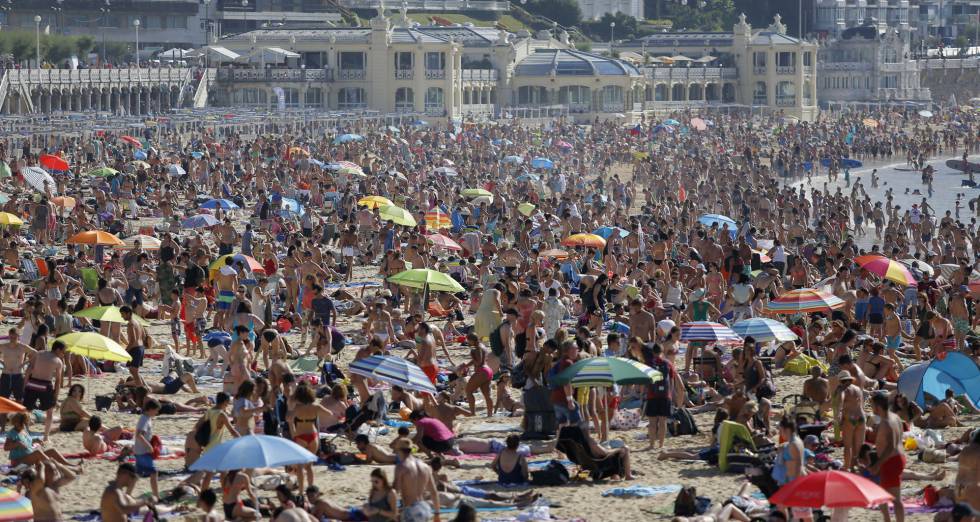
[(946, 270), (423, 278), (886, 268), (717, 219), (709, 332), (476, 192), (373, 202), (605, 232), (671, 122), (14, 506), (586, 240), (446, 171), (479, 200), (38, 179), (140, 164), (354, 171), (347, 138), (698, 124), (176, 170), (132, 140), (109, 314), (830, 489), (436, 219), (764, 330), (555, 253), (102, 172), (291, 205), (925, 114), (251, 452), (199, 221), (95, 346), (146, 242), (4, 170), (527, 177), (804, 300), (298, 151), (139, 154), (527, 208), (94, 237), (921, 266), (564, 145), (442, 241), (513, 160), (225, 204), (607, 371), (52, 162), (66, 202), (870, 123), (6, 218), (952, 371), (397, 215), (9, 406), (542, 163), (393, 370), (250, 262)]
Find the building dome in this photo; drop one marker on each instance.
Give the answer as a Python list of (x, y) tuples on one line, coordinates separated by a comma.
[(565, 62)]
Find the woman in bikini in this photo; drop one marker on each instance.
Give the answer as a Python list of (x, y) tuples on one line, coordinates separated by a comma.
[(480, 380), (233, 484), (305, 429)]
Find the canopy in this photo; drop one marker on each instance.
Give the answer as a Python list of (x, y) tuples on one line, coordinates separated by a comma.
[(253, 451), (587, 240), (174, 54), (95, 346), (728, 433), (14, 506), (436, 219), (764, 330), (606, 371), (886, 269), (225, 204), (109, 314), (38, 179), (199, 221), (830, 489), (707, 331), (397, 215), (804, 300), (426, 277), (52, 162), (7, 218), (95, 237), (393, 370), (373, 202), (441, 241), (953, 371), (146, 243), (9, 406), (222, 53)]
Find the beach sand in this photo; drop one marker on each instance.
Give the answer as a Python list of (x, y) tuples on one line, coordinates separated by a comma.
[(581, 500)]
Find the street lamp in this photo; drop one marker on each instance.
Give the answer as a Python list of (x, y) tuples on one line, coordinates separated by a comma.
[(207, 32), (612, 29), (244, 22), (6, 8), (59, 17), (105, 23), (139, 77), (37, 33)]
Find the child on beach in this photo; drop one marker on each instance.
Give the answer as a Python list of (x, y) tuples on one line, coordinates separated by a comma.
[(143, 445)]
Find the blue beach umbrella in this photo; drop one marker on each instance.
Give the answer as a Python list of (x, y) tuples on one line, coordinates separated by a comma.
[(717, 219), (542, 163), (393, 370), (220, 203), (199, 221), (253, 451), (605, 232), (764, 330), (513, 160), (347, 138)]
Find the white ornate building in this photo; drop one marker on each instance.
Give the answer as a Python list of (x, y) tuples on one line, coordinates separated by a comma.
[(832, 17), (594, 9)]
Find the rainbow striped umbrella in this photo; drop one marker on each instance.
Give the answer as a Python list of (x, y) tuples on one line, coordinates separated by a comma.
[(707, 331), (436, 219), (764, 330), (804, 300), (606, 371), (14, 506), (886, 269)]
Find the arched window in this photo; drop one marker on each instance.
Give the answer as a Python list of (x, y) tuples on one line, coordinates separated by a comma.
[(434, 99), (351, 98), (404, 99)]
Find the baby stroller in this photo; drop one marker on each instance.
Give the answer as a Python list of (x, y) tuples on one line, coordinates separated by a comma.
[(807, 415)]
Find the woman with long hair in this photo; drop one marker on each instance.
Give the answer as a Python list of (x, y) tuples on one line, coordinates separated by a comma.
[(303, 420), (382, 503)]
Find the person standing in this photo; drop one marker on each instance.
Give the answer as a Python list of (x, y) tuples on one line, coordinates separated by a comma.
[(15, 356), (891, 458), (851, 418), (44, 382), (659, 396), (143, 445), (414, 482), (136, 343)]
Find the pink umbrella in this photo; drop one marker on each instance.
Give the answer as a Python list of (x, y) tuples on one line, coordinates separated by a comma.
[(441, 241), (562, 144), (698, 124)]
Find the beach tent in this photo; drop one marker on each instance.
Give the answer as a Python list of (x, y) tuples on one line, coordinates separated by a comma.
[(728, 433), (802, 364), (954, 371)]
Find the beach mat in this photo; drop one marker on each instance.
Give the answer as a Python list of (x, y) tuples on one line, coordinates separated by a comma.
[(639, 491)]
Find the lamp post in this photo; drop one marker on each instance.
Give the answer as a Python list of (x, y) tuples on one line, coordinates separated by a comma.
[(612, 30), (244, 21), (139, 77), (207, 32), (105, 23), (37, 33), (59, 18), (6, 8)]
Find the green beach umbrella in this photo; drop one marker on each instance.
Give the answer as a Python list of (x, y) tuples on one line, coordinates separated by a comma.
[(4, 170), (476, 192), (426, 277), (109, 314), (397, 215), (606, 371), (103, 172)]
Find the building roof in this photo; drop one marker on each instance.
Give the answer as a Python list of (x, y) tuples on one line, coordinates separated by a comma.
[(773, 38), (566, 62), (704, 39), (468, 36)]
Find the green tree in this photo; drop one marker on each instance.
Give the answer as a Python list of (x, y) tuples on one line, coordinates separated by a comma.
[(22, 46), (84, 45), (565, 12), (626, 27)]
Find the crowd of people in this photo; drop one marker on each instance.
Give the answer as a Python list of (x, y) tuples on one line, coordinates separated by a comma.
[(243, 256)]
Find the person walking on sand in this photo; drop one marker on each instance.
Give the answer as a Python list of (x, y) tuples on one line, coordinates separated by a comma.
[(891, 457), (137, 341), (851, 417), (415, 483), (44, 381)]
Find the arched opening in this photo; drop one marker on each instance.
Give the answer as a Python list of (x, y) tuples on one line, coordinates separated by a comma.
[(678, 92), (660, 92), (612, 98), (760, 95), (578, 98), (711, 92), (434, 101), (404, 99), (694, 92), (728, 93), (785, 94)]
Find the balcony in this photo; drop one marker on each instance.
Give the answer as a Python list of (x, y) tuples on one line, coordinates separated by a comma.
[(435, 5), (351, 74), (478, 75), (404, 74), (690, 73), (785, 101), (435, 110), (228, 74), (404, 107), (759, 71), (760, 100), (785, 69), (435, 74)]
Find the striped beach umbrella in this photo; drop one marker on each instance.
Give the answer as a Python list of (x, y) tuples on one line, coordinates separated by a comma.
[(606, 371), (14, 506), (919, 265), (708, 331), (764, 330), (436, 219), (886, 269), (804, 300), (393, 370), (38, 179)]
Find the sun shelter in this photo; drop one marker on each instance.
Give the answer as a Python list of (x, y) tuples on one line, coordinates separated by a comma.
[(928, 381)]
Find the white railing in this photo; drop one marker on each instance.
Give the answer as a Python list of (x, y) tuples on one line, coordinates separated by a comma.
[(758, 71), (434, 5), (275, 75), (785, 69), (49, 76), (435, 74), (404, 74), (692, 73), (351, 74), (477, 108), (844, 66), (478, 75), (785, 101)]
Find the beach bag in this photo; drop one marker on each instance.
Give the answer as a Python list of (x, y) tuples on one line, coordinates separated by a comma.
[(517, 376), (203, 434), (553, 474), (626, 419), (103, 402), (497, 342), (682, 423)]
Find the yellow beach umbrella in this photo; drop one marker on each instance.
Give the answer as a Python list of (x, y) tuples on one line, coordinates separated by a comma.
[(6, 218), (373, 202), (95, 346)]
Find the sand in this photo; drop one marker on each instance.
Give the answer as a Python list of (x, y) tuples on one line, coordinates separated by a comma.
[(350, 487)]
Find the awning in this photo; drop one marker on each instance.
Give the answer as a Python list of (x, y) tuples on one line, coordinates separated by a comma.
[(223, 52), (282, 52), (269, 55)]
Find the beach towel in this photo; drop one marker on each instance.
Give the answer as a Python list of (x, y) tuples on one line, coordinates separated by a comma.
[(639, 491)]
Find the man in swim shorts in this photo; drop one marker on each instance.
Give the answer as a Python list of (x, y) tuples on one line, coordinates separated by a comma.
[(414, 481), (226, 282), (891, 459)]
